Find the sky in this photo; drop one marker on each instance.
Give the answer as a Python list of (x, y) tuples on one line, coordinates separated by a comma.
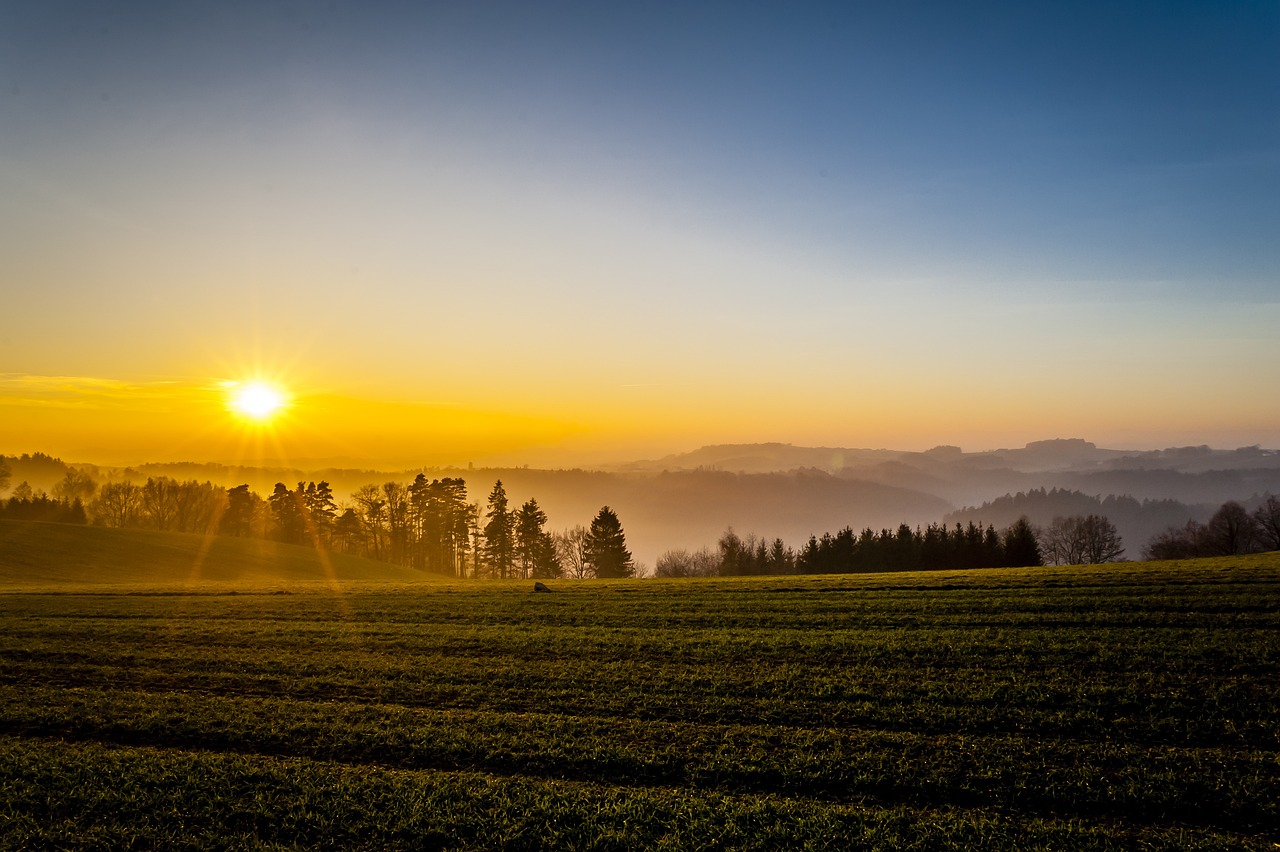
[(569, 233)]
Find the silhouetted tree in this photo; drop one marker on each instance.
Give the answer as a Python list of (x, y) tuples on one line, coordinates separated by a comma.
[(782, 559), (5, 473), (42, 507), (320, 511), (1102, 542), (535, 550), (397, 512), (118, 504), (1184, 542), (1082, 540), (197, 506), (160, 502), (1021, 548), (1267, 519), (423, 535), (348, 531), (1231, 530), (287, 514), (571, 552), (935, 551), (682, 563), (237, 520), (734, 554), (499, 534), (75, 485), (371, 507), (457, 518), (438, 523), (607, 546), (475, 538)]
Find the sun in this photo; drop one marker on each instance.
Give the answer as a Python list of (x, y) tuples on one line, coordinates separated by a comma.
[(256, 401)]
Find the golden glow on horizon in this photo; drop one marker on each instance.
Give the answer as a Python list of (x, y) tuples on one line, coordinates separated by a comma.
[(256, 401), (127, 420)]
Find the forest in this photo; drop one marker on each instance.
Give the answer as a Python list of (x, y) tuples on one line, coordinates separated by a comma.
[(434, 525)]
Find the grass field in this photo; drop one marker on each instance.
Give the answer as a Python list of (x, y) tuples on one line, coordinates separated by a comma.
[(1118, 707), (37, 555)]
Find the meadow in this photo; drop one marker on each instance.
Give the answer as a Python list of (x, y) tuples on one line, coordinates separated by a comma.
[(1113, 707)]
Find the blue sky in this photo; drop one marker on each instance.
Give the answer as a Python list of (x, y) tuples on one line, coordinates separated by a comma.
[(545, 209)]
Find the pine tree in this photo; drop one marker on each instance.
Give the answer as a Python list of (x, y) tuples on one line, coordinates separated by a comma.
[(237, 519), (499, 534), (286, 511), (607, 546), (535, 550), (324, 511), (1021, 548)]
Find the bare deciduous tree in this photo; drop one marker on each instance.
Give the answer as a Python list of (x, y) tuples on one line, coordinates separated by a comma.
[(118, 504), (571, 548), (75, 484), (682, 563), (1231, 530), (1267, 517), (1082, 540)]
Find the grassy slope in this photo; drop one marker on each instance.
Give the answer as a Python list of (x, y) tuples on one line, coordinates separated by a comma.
[(1116, 707), (37, 555)]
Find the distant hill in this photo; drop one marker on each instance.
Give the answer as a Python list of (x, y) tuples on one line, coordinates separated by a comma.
[(1187, 474), (780, 490), (762, 458), (41, 555), (1136, 520)]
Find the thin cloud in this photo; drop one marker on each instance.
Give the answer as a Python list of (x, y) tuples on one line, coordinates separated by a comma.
[(20, 389)]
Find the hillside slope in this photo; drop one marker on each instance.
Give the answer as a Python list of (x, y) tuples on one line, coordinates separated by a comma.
[(34, 554)]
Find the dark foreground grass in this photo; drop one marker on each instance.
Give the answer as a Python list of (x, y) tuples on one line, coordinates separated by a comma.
[(1130, 706), (60, 556)]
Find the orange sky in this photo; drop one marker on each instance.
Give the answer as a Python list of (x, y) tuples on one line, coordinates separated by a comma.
[(122, 422), (501, 234)]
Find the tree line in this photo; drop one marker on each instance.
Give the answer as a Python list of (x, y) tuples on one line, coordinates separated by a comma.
[(848, 552), (428, 524), (432, 525), (1074, 540), (1232, 530), (1135, 520)]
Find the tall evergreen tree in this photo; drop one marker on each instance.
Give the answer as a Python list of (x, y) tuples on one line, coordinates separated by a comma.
[(499, 534), (322, 511), (423, 523), (286, 512), (607, 546), (1021, 548), (535, 550), (457, 516)]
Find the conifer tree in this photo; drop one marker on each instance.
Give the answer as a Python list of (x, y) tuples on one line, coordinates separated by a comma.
[(1021, 548), (535, 549), (607, 546), (499, 534)]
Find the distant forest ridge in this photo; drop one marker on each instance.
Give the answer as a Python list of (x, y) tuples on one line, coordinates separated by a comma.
[(1137, 521), (789, 492), (1057, 453)]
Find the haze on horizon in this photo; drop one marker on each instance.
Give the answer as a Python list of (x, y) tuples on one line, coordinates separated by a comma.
[(570, 232)]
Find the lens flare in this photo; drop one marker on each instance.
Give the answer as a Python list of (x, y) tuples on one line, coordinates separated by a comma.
[(257, 401)]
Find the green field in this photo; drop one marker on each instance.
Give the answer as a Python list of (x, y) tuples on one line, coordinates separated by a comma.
[(36, 555), (1115, 707)]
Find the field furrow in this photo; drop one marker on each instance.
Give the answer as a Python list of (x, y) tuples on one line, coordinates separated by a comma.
[(1003, 709)]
